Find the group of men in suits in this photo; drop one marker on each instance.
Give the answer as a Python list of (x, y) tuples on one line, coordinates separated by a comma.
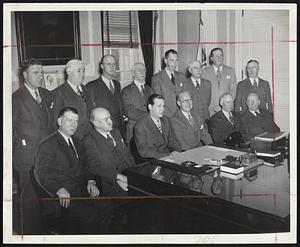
[(78, 133)]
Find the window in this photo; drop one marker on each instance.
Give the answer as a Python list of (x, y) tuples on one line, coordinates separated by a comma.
[(120, 37)]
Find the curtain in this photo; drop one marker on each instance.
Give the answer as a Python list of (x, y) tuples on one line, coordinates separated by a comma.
[(145, 27)]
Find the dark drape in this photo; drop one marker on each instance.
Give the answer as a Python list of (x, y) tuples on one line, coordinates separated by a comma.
[(145, 25)]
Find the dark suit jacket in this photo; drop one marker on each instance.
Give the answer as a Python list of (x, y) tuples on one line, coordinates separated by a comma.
[(102, 97), (102, 161), (57, 167), (162, 84), (227, 84), (253, 126), (244, 88), (150, 142), (64, 96), (135, 106), (221, 128), (30, 124), (201, 97), (185, 133)]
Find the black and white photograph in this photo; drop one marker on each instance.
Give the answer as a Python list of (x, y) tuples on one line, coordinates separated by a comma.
[(149, 123)]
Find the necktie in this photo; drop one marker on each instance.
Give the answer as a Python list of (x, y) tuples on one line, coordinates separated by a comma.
[(257, 114), (38, 98), (159, 126), (142, 89), (72, 147), (219, 76), (255, 83), (192, 122), (80, 93), (173, 79), (110, 139), (231, 118), (111, 87), (197, 85)]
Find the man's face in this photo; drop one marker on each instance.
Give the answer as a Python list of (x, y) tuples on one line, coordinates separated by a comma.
[(171, 61), (253, 102), (217, 58), (157, 109), (253, 69), (227, 103), (103, 121), (68, 123), (76, 74), (196, 70), (109, 66), (34, 76), (140, 73), (185, 102)]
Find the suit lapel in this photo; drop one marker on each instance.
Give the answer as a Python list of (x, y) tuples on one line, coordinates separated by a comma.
[(153, 128), (30, 102), (102, 87), (225, 120)]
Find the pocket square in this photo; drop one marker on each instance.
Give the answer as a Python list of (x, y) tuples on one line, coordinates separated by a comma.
[(228, 77)]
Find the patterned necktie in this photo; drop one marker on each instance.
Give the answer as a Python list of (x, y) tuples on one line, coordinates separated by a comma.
[(192, 122), (38, 98), (110, 139), (255, 84), (111, 87), (80, 93), (142, 89), (159, 126), (231, 120), (197, 85), (173, 79), (219, 76), (72, 148)]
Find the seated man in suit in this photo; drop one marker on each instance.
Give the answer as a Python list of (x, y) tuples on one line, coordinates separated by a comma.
[(135, 97), (153, 134), (255, 120), (106, 153), (199, 89), (253, 84), (169, 82), (73, 94), (60, 169), (190, 129), (224, 122)]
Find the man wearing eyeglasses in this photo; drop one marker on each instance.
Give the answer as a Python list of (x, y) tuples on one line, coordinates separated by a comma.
[(190, 129), (106, 92), (74, 94)]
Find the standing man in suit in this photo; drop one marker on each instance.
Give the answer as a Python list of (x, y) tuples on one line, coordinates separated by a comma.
[(190, 129), (73, 94), (32, 116), (135, 97), (106, 92), (255, 120), (221, 77), (253, 84), (199, 89), (107, 155), (224, 122), (153, 134), (169, 82), (60, 169)]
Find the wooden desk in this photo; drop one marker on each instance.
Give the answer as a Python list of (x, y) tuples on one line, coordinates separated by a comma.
[(175, 205)]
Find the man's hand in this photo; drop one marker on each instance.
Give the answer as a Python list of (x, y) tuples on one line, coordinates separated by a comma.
[(64, 197), (92, 188), (174, 152), (122, 181)]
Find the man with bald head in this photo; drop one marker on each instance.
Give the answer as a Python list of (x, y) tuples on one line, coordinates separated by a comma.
[(224, 122), (199, 89), (106, 153), (106, 92), (256, 120), (135, 97), (73, 94)]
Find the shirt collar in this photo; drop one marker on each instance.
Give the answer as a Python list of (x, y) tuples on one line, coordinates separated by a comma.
[(139, 84), (103, 133), (252, 80), (66, 138), (31, 91), (155, 120), (226, 113), (253, 112), (185, 114), (216, 68), (74, 87), (194, 81), (107, 81), (169, 73)]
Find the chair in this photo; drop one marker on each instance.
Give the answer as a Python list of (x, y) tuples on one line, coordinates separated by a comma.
[(133, 149)]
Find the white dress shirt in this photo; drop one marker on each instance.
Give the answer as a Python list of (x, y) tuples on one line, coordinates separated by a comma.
[(107, 82), (227, 115), (105, 134), (31, 91), (216, 68), (194, 81), (170, 73), (139, 85), (74, 87), (252, 80), (66, 138)]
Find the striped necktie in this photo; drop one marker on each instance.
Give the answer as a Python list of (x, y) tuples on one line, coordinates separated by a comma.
[(38, 98), (219, 76), (111, 87), (159, 125), (192, 122)]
